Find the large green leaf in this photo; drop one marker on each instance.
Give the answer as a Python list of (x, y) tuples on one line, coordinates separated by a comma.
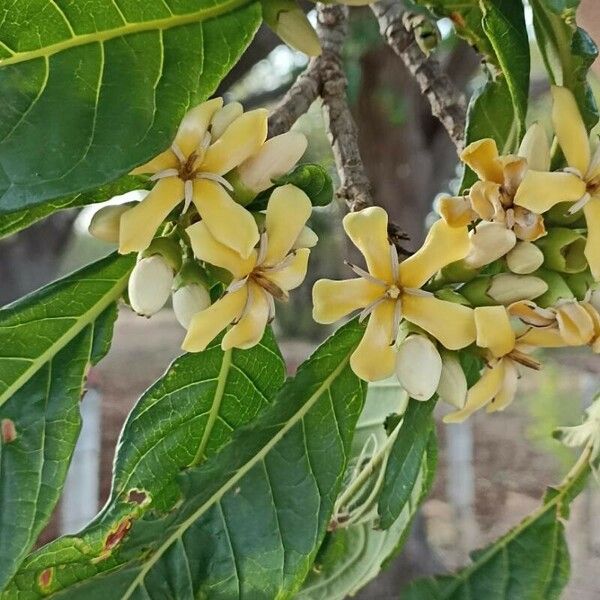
[(250, 518), (16, 221), (567, 50), (89, 90), (44, 418), (34, 329)]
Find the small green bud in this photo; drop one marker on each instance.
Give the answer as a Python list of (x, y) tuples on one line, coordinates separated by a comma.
[(580, 283), (564, 250), (558, 289), (458, 272), (450, 295), (559, 215), (166, 247), (475, 291)]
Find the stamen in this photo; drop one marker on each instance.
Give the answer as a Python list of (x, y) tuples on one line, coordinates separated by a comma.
[(281, 264), (365, 275), (164, 173), (395, 262), (510, 218), (370, 308), (271, 303), (237, 284), (580, 203), (215, 177), (416, 292), (573, 171), (262, 248), (205, 143), (189, 195), (396, 321), (246, 307), (178, 153), (525, 360)]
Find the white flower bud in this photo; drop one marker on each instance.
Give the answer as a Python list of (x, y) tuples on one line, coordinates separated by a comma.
[(506, 288), (307, 239), (418, 367), (452, 388), (524, 258), (150, 285), (223, 118), (489, 242), (275, 158), (189, 300), (104, 225)]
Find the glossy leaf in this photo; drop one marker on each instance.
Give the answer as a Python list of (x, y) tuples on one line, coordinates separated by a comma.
[(45, 419), (90, 90), (250, 519)]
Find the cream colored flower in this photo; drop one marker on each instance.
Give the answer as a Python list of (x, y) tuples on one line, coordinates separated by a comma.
[(389, 292), (579, 183), (266, 275), (212, 140), (586, 433)]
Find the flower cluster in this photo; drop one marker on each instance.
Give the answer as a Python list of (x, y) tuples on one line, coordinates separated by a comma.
[(511, 266)]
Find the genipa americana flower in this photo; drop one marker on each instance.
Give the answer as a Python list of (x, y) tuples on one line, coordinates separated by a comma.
[(389, 291), (578, 183), (266, 275), (211, 141), (586, 433)]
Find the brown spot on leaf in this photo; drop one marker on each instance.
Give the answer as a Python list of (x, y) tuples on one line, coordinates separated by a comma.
[(9, 431), (115, 537), (45, 578), (136, 496)]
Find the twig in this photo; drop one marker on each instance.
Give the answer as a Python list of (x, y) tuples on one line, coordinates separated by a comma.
[(447, 103)]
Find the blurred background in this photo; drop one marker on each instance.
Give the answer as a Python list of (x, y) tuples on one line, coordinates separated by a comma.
[(493, 469)]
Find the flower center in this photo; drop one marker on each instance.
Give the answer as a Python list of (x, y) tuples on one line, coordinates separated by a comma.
[(393, 292)]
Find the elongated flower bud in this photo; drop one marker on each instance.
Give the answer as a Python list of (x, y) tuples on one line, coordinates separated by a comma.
[(418, 367), (189, 300), (150, 285), (452, 387), (489, 242), (105, 222), (506, 288), (524, 258), (564, 250)]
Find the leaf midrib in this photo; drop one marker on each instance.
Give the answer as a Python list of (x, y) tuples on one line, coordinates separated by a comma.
[(259, 456), (124, 30)]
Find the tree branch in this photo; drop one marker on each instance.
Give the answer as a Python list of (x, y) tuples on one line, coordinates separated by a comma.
[(447, 103)]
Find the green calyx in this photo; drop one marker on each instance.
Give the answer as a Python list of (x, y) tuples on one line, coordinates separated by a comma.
[(191, 273), (564, 250), (168, 248), (557, 288)]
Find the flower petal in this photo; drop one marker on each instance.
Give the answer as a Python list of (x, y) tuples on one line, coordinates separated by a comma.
[(375, 356), (287, 212), (570, 129), (536, 148), (542, 337), (488, 242), (207, 324), (574, 323), (508, 389), (248, 331), (528, 226), (294, 272), (229, 222), (482, 393), (195, 124), (482, 157), (494, 330), (333, 300), (486, 200), (206, 248), (451, 324), (456, 210), (368, 231), (540, 191), (531, 314), (138, 225), (223, 118), (592, 246), (443, 245), (165, 160), (237, 143)]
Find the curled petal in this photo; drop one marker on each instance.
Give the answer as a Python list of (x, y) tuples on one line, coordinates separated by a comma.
[(542, 337), (528, 226), (165, 160), (535, 148), (570, 129), (540, 191), (443, 245), (294, 272), (529, 312), (508, 389), (481, 394), (592, 246), (368, 231), (237, 143), (493, 330), (488, 242), (375, 356), (287, 212), (486, 200), (333, 300), (574, 323), (449, 323), (138, 225), (207, 324), (248, 331), (195, 125), (482, 157), (456, 210), (207, 248), (229, 222), (514, 169)]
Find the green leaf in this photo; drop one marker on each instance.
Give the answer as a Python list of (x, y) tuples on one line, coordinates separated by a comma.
[(45, 418), (35, 328), (405, 460), (529, 562), (88, 91), (567, 50), (16, 221), (250, 518)]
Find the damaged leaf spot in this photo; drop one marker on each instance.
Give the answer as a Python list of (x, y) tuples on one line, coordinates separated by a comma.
[(139, 497), (8, 431), (115, 537), (45, 578)]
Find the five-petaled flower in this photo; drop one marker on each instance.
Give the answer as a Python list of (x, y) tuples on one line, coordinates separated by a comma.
[(266, 275), (212, 140), (391, 291)]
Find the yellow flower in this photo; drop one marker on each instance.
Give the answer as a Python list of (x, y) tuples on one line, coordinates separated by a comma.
[(266, 275), (497, 386), (578, 183), (492, 197), (390, 291), (211, 141)]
